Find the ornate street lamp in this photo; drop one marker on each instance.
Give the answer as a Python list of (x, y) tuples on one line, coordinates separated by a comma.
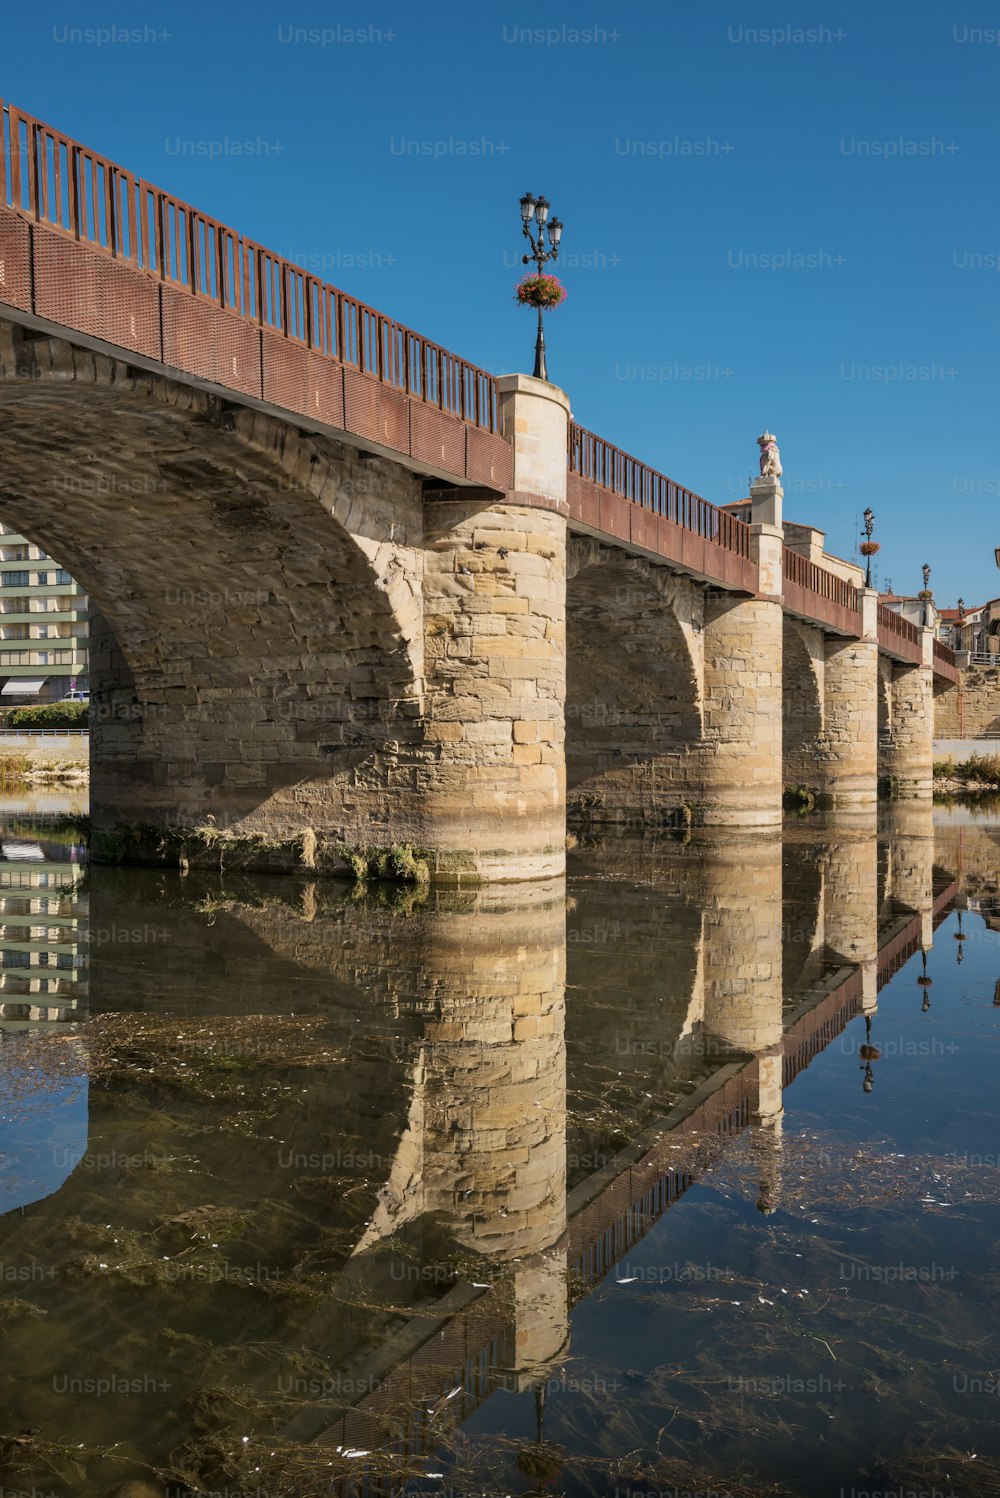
[(868, 546), (926, 595), (539, 290)]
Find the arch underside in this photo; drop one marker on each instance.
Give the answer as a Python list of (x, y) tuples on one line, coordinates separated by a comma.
[(633, 704), (256, 656)]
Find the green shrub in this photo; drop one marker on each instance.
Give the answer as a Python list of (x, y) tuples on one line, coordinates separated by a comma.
[(984, 768), (944, 769), (49, 715)]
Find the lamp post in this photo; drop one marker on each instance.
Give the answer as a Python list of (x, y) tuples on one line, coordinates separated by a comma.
[(926, 595), (868, 546), (537, 210)]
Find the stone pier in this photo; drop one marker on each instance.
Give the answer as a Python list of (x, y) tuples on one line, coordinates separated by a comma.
[(494, 593), (849, 748), (741, 756), (907, 752)]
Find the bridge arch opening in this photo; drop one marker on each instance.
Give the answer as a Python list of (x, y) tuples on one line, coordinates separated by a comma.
[(633, 689), (256, 650)]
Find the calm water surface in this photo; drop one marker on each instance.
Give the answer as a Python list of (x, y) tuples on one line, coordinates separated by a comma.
[(669, 1178)]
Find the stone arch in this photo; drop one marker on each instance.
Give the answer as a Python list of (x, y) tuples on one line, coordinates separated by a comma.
[(802, 691), (633, 685), (259, 656)]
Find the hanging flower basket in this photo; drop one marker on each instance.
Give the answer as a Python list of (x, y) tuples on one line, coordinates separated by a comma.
[(869, 548), (540, 291)]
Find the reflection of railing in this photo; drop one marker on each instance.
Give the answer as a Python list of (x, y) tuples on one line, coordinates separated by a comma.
[(53, 180), (597, 461)]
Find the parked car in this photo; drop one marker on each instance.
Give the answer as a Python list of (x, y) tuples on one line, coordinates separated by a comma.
[(76, 697)]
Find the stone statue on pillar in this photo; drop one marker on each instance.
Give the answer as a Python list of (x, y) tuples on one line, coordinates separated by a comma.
[(770, 457), (766, 493)]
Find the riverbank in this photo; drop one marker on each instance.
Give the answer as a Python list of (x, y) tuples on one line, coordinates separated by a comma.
[(44, 760), (979, 775)]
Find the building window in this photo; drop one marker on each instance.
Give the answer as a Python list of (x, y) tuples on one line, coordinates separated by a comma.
[(63, 577), (41, 580), (13, 579)]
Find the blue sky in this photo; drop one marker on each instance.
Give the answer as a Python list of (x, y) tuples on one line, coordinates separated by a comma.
[(776, 215)]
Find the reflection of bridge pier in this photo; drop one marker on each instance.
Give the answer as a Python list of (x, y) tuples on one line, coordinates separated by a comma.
[(909, 831), (743, 932), (476, 1185), (485, 1149), (851, 903)]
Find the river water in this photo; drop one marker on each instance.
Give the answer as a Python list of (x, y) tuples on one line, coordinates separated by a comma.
[(669, 1178)]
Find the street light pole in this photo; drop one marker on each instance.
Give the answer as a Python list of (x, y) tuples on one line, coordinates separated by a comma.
[(925, 596), (537, 209), (869, 547)]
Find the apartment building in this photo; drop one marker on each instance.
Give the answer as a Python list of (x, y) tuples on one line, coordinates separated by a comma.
[(43, 625)]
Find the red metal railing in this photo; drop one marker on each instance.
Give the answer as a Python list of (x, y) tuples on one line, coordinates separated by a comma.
[(889, 620), (944, 655), (49, 178), (592, 458), (798, 569)]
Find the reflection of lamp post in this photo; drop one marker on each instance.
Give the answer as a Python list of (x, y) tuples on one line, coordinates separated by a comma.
[(538, 209), (868, 546), (868, 1054), (544, 1461), (924, 982), (959, 936)]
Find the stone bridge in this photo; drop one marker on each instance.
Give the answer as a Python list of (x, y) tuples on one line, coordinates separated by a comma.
[(353, 593)]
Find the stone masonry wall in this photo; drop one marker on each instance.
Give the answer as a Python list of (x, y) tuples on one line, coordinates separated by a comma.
[(972, 708)]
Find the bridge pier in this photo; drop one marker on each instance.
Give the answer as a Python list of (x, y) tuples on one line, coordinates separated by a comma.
[(495, 657), (849, 748), (907, 758), (742, 714)]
